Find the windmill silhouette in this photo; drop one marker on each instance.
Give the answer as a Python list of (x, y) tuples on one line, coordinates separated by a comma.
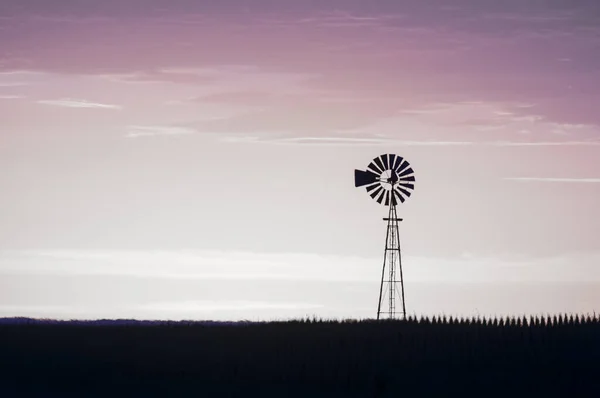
[(389, 179)]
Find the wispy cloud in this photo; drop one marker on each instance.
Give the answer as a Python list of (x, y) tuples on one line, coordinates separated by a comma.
[(215, 265), (551, 179), (289, 139), (375, 141), (78, 103), (225, 305), (336, 19), (547, 143), (464, 123), (8, 97), (152, 131), (350, 141), (217, 78), (32, 310), (12, 84), (187, 264)]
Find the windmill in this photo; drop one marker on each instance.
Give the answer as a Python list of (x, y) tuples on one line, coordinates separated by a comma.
[(389, 179)]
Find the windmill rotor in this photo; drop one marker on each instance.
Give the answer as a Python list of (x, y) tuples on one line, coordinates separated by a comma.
[(389, 179)]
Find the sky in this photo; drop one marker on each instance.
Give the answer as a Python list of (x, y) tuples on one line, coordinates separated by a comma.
[(194, 159)]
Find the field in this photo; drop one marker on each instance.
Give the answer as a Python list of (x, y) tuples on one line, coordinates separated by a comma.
[(553, 356)]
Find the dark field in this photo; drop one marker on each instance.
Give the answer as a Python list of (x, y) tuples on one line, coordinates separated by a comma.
[(557, 356)]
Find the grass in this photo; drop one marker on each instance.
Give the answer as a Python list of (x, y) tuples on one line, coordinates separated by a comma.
[(549, 356)]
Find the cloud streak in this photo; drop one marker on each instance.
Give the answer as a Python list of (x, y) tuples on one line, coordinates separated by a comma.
[(388, 122), (225, 305), (558, 180), (78, 103), (346, 141), (154, 131), (250, 266)]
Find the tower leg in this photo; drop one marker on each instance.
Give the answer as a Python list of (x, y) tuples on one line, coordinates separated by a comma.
[(385, 255), (400, 268)]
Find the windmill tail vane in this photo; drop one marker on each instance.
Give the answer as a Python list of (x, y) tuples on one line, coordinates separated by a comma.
[(389, 179)]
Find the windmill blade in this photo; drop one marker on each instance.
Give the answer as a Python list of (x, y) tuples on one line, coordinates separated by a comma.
[(392, 160), (399, 196), (376, 192), (397, 163), (379, 163), (406, 172), (372, 187), (409, 178), (380, 199), (362, 178), (374, 168), (387, 198), (386, 163), (401, 167), (404, 191), (407, 186)]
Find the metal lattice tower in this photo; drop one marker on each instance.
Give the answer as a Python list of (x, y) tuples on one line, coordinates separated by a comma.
[(392, 263), (389, 180)]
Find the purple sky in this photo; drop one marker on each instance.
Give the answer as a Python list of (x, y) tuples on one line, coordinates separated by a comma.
[(166, 151)]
